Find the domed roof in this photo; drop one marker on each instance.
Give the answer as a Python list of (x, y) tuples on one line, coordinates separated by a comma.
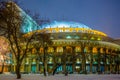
[(62, 24)]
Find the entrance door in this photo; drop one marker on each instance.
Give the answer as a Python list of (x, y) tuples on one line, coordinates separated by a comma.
[(94, 68), (59, 69), (69, 68), (88, 68), (102, 68), (33, 68)]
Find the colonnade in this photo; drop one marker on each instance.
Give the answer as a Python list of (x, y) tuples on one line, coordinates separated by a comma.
[(73, 59)]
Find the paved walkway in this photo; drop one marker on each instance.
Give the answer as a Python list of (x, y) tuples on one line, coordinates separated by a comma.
[(61, 77)]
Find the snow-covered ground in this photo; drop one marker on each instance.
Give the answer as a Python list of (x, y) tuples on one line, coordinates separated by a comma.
[(62, 77)]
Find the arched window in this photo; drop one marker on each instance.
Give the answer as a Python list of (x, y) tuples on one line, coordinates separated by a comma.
[(68, 37), (66, 30), (101, 50), (59, 49), (76, 37), (41, 50), (77, 49), (50, 49), (60, 30), (86, 49), (33, 50), (94, 50), (98, 38), (92, 38), (68, 49)]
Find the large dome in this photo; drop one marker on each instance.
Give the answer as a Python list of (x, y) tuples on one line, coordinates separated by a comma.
[(62, 24)]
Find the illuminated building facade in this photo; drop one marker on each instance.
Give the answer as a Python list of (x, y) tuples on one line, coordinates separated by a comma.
[(76, 48)]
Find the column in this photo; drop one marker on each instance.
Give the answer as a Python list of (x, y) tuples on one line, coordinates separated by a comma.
[(64, 59), (83, 60), (54, 59), (110, 65), (91, 59), (117, 61), (105, 56), (99, 59), (73, 58)]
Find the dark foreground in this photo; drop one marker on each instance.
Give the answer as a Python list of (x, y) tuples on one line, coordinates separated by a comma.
[(61, 77)]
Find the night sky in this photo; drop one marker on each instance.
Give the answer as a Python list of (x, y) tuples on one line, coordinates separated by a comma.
[(103, 15)]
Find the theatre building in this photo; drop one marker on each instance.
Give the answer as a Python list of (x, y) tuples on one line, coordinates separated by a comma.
[(75, 48)]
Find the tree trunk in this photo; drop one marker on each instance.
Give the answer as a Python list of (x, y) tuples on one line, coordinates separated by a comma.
[(85, 72), (44, 69), (91, 63), (18, 71)]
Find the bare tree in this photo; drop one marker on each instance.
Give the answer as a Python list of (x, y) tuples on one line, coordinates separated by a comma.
[(43, 40), (85, 42), (11, 20)]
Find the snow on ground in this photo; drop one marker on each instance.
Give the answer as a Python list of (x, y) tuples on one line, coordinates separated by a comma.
[(61, 77)]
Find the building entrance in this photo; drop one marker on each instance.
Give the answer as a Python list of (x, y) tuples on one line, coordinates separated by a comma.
[(33, 68), (69, 68)]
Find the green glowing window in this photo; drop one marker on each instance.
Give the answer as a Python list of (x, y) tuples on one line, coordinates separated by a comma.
[(68, 37), (76, 37)]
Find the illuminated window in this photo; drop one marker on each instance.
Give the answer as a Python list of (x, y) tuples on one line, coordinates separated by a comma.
[(101, 50), (68, 37), (78, 49), (107, 51), (68, 49), (41, 50), (59, 49), (53, 31), (51, 37), (76, 37), (33, 50), (74, 31), (67, 30), (92, 38), (94, 50), (84, 37), (99, 38), (50, 49), (60, 30)]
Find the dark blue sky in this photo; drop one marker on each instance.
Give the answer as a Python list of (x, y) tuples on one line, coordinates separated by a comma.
[(103, 15)]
